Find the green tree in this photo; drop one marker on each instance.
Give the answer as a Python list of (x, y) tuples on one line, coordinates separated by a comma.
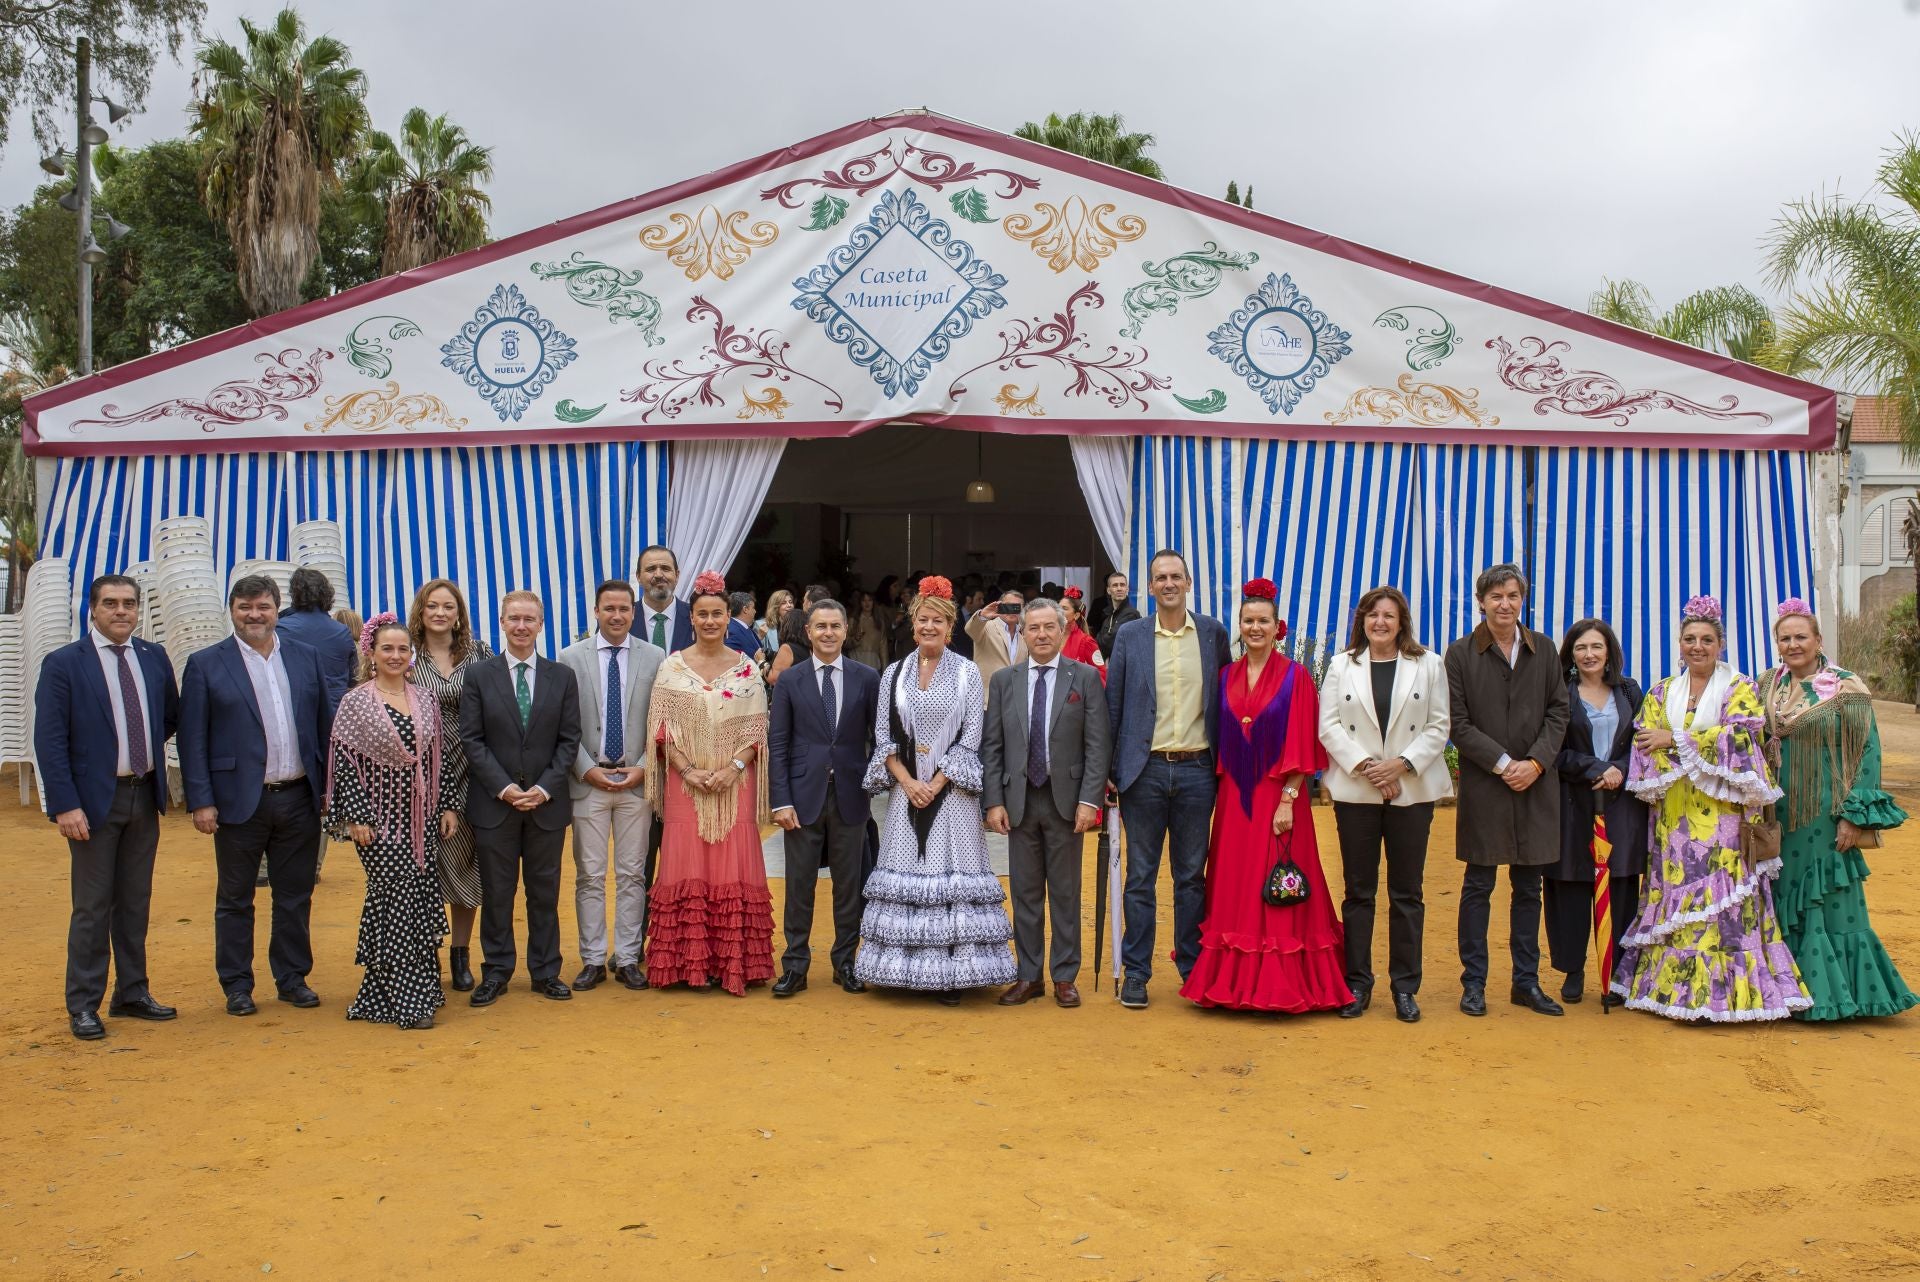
[(428, 185), (36, 54), (1854, 267), (31, 365), (1726, 318), (279, 119), (1101, 138), (1233, 192)]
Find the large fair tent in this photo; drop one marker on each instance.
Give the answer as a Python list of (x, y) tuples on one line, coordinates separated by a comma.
[(1271, 400)]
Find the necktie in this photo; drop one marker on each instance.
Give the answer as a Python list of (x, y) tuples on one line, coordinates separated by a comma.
[(1037, 731), (660, 630), (831, 703), (521, 694), (616, 745), (136, 724)]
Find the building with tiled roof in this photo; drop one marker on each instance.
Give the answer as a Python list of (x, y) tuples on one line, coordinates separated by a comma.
[(1880, 485)]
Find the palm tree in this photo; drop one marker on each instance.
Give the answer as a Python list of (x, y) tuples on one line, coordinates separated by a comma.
[(279, 119), (429, 184), (1727, 318), (1856, 269), (1098, 138)]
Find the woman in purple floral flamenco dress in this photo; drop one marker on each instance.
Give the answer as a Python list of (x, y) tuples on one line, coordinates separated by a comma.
[(1707, 943)]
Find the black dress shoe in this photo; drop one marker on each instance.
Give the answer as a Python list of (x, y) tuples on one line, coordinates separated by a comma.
[(849, 981), (632, 974), (1405, 1009), (240, 1003), (1573, 988), (1362, 998), (1611, 1002), (1474, 1000), (789, 983), (488, 992), (300, 995), (424, 1022), (141, 1007), (591, 973), (1536, 1000), (551, 987), (460, 969), (1133, 994), (86, 1025)]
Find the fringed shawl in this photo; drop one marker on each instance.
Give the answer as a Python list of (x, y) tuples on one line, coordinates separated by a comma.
[(711, 723), (1251, 748), (364, 738), (1830, 725)]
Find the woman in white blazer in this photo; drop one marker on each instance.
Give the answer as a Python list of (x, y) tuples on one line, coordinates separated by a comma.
[(1384, 724)]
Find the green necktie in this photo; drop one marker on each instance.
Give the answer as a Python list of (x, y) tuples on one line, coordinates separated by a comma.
[(522, 695), (660, 630)]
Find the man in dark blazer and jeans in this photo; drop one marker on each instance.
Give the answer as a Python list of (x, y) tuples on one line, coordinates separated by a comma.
[(819, 741), (520, 724), (103, 712), (1163, 698)]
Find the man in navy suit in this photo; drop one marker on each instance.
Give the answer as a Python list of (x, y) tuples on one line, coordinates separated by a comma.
[(819, 741), (309, 618), (1163, 696), (254, 725), (104, 709), (663, 620)]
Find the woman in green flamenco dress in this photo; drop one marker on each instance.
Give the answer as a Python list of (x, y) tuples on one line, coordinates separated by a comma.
[(1825, 748)]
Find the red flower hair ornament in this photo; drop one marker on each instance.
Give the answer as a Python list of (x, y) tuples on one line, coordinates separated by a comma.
[(936, 585), (710, 582), (1263, 590), (1071, 594)]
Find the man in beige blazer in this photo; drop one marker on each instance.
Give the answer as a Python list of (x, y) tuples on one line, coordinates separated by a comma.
[(614, 670), (997, 642)]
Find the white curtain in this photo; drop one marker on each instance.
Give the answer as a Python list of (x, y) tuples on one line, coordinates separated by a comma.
[(1105, 467), (713, 494)]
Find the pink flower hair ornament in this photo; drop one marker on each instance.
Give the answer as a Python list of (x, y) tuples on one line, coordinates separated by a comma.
[(1701, 609), (371, 628), (1793, 605), (710, 581)]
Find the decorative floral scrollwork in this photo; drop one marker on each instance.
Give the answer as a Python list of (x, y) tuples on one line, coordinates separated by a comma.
[(866, 174), (1074, 233), (369, 355), (771, 403), (377, 409), (1115, 375), (1010, 401), (1279, 342), (709, 241), (289, 377), (1427, 345), (1411, 401), (1191, 275), (1532, 367), (674, 385), (592, 283)]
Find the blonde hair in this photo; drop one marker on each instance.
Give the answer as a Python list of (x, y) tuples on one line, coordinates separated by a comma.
[(940, 605), (522, 594)]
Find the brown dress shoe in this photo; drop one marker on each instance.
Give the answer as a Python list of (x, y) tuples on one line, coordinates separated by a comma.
[(1066, 995), (1023, 991)]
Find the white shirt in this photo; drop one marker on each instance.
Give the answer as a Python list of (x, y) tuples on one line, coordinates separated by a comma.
[(647, 615), (110, 668), (610, 715), (839, 671), (274, 696), (1052, 669), (513, 684)]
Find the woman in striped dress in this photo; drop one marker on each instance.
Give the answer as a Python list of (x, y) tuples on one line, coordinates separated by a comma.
[(444, 647)]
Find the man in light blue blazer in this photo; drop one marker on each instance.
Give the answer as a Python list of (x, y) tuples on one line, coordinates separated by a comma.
[(1163, 697)]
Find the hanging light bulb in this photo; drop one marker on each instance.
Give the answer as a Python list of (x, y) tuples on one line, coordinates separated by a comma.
[(980, 490)]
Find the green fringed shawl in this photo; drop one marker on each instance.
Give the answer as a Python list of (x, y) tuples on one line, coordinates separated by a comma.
[(1829, 735)]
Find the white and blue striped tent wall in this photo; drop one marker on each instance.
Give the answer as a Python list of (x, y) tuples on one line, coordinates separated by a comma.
[(1629, 535), (553, 518), (1184, 498), (1471, 514)]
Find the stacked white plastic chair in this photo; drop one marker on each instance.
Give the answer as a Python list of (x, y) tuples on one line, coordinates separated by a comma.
[(188, 595), (281, 572), (47, 623), (16, 745), (320, 545), (151, 628)]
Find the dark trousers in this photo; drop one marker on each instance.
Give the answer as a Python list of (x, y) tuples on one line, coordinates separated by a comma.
[(515, 848), (285, 827), (1403, 830), (1569, 914), (1171, 802), (112, 884), (1476, 907), (842, 846), (1043, 870)]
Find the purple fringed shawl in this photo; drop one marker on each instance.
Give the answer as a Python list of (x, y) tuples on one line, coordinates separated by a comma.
[(1248, 753), (364, 736)]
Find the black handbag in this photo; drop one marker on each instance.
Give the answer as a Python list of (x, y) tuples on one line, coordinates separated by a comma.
[(1286, 884)]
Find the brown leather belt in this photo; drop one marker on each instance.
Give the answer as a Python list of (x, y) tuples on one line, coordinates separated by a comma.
[(1197, 754)]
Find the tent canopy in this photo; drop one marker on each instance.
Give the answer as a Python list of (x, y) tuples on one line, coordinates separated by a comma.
[(916, 268)]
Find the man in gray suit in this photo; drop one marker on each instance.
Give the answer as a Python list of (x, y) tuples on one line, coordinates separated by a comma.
[(614, 670), (1044, 757)]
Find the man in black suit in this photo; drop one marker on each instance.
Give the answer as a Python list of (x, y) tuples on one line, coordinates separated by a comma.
[(520, 723), (819, 740), (1043, 766), (254, 725), (103, 712)]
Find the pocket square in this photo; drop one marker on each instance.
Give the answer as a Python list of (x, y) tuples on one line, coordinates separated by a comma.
[(1073, 696)]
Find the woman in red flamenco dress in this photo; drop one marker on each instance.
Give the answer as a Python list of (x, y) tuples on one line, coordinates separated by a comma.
[(1254, 956)]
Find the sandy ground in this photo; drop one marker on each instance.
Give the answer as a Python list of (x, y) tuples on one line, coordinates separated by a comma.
[(685, 1136)]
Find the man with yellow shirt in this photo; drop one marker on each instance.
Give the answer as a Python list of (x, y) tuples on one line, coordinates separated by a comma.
[(1163, 698)]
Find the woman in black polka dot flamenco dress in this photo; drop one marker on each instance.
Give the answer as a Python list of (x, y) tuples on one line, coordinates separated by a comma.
[(391, 789)]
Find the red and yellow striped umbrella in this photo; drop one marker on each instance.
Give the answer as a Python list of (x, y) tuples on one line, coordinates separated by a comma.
[(1602, 908)]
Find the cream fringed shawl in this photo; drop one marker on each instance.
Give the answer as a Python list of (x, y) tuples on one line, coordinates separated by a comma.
[(711, 723)]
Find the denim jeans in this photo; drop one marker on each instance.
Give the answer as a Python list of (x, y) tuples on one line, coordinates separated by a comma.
[(1170, 802)]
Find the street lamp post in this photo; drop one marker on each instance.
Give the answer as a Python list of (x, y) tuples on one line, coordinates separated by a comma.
[(83, 60)]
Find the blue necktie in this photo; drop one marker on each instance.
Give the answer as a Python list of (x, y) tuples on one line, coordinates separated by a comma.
[(616, 709), (832, 704), (1037, 731)]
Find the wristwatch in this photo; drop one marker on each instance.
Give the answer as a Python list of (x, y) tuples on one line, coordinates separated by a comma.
[(738, 765), (1290, 793)]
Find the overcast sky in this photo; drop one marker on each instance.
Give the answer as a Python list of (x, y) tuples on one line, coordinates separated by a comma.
[(1540, 146)]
